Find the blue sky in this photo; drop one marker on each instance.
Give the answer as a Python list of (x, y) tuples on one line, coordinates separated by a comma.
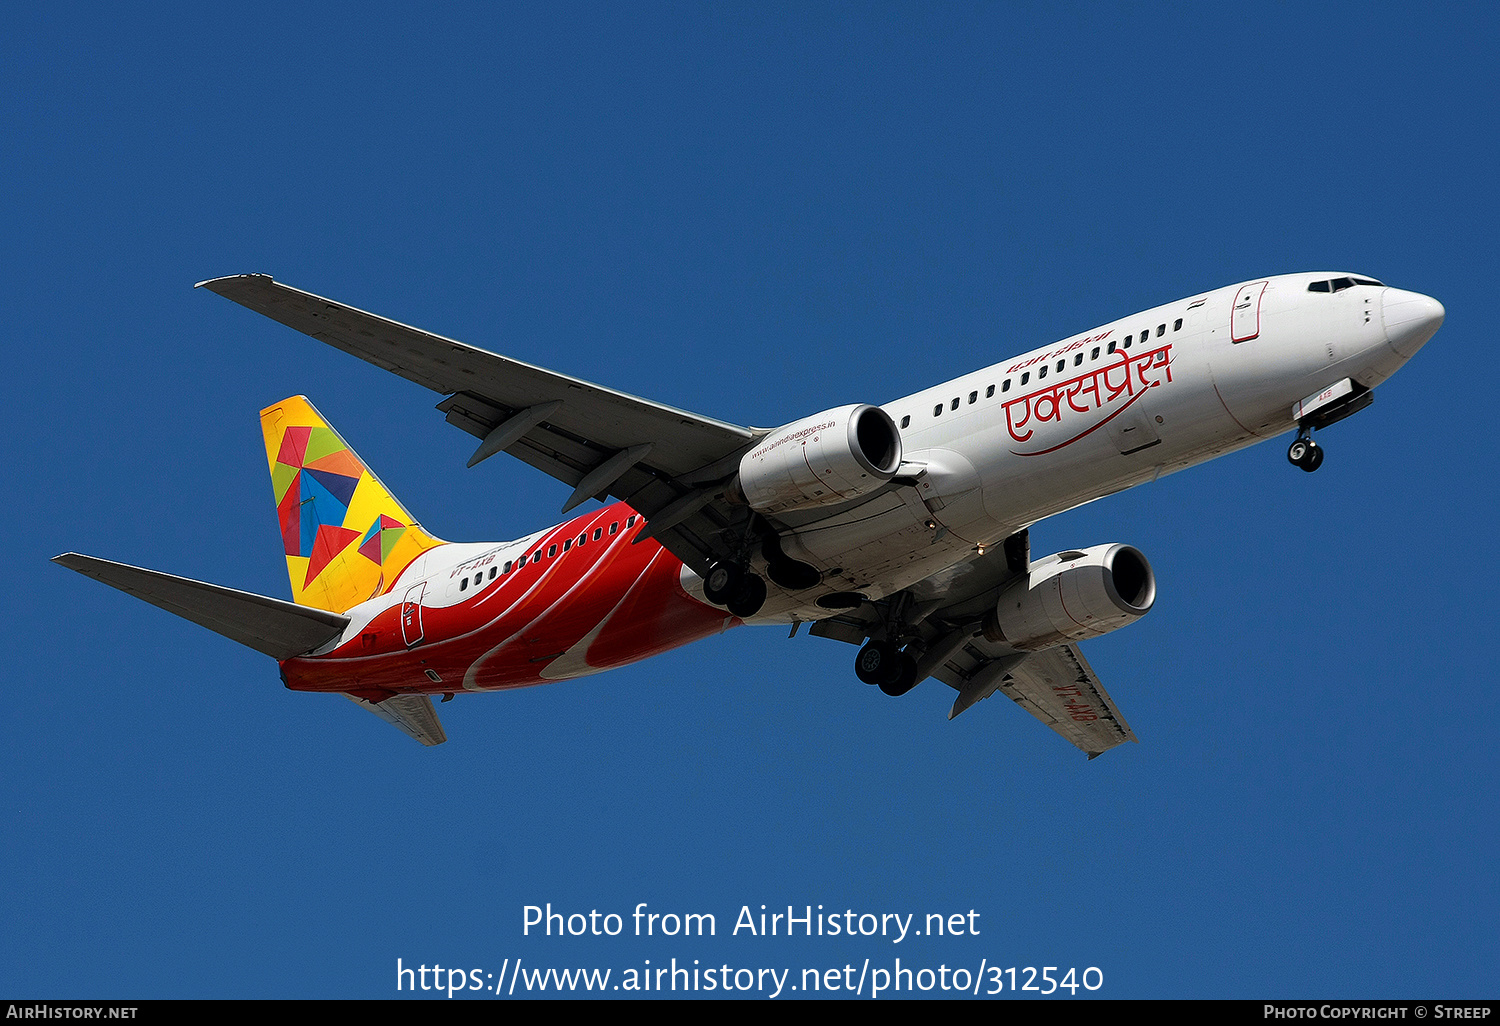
[(756, 213)]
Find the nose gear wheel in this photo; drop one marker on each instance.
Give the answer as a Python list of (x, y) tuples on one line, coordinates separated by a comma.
[(1304, 452)]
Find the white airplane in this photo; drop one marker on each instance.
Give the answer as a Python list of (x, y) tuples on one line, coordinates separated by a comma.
[(899, 528)]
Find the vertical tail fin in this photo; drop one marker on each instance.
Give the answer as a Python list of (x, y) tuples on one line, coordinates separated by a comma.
[(346, 537)]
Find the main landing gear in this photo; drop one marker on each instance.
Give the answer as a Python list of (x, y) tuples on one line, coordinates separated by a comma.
[(732, 585), (737, 590), (1304, 452), (881, 664)]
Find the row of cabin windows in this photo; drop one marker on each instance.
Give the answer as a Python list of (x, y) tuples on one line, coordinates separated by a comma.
[(1161, 329), (536, 557)]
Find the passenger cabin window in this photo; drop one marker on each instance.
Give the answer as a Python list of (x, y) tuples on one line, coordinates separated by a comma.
[(536, 557), (493, 569), (567, 544), (1042, 371), (463, 585), (1177, 324), (1095, 354), (1025, 377), (1005, 385), (1078, 360), (630, 521), (1128, 340), (906, 420), (598, 533), (1061, 364), (955, 402), (973, 397), (614, 528), (1111, 347), (1161, 329), (937, 411), (551, 551), (989, 393)]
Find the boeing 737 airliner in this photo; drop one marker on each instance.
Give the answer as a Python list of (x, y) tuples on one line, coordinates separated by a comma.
[(899, 528)]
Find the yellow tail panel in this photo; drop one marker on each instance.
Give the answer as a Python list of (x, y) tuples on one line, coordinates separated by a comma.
[(347, 539)]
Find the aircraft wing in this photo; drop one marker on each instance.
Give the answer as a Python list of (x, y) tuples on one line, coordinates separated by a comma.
[(1056, 685), (669, 464)]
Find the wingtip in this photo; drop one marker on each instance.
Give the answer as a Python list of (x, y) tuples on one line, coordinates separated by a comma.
[(209, 283)]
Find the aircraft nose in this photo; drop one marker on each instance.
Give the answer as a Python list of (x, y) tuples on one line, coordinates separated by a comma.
[(1410, 319)]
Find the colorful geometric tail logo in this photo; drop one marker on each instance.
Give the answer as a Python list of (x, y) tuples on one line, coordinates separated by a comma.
[(347, 539)]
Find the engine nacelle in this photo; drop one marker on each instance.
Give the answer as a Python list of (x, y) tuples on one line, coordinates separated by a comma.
[(833, 456), (1073, 596)]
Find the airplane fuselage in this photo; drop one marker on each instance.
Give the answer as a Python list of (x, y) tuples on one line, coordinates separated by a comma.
[(984, 456)]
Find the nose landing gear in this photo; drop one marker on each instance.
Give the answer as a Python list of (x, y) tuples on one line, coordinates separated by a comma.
[(1304, 452)]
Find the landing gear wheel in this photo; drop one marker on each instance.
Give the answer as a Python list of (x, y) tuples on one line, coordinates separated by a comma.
[(876, 663), (749, 595), (905, 679), (1305, 454), (1314, 457), (722, 581)]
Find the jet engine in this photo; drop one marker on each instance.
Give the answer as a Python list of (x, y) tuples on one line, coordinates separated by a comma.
[(1073, 596), (830, 457)]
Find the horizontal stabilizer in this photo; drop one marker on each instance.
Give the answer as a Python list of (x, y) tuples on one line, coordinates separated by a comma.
[(277, 628), (413, 715)]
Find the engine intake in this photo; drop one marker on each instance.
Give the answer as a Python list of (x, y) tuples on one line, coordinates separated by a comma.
[(1073, 596), (830, 457)]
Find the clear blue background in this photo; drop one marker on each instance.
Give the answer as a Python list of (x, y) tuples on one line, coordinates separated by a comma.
[(755, 212)]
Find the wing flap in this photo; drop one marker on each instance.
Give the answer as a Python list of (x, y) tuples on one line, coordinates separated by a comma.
[(279, 629)]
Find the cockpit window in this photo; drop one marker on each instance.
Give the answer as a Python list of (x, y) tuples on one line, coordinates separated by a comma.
[(1340, 284)]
